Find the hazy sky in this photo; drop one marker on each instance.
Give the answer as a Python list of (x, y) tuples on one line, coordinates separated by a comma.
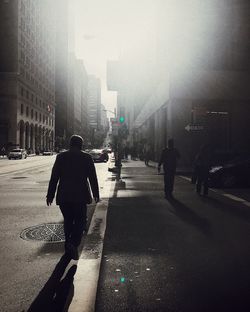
[(104, 29)]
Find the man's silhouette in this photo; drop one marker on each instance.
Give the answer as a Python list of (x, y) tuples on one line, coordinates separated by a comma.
[(72, 171), (169, 158)]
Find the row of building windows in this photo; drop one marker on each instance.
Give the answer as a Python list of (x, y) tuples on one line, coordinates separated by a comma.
[(42, 118), (30, 96), (35, 83)]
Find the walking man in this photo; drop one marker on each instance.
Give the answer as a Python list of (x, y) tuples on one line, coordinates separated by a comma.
[(73, 170), (202, 167), (169, 158)]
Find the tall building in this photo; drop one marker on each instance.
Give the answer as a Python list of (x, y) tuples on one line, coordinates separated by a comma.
[(64, 115), (94, 111), (84, 101), (104, 119), (27, 74), (200, 77), (71, 81), (94, 102)]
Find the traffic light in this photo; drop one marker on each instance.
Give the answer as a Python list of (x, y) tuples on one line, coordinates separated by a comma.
[(121, 115), (121, 119)]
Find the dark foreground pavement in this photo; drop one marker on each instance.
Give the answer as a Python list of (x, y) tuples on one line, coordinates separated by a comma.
[(188, 254)]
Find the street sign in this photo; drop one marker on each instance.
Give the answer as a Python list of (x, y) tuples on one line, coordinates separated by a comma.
[(194, 127)]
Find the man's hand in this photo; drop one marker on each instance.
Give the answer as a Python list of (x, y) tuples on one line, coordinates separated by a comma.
[(49, 201), (97, 199)]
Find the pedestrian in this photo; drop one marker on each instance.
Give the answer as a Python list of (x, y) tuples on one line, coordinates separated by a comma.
[(146, 153), (73, 170), (169, 158), (126, 152), (3, 152), (202, 166)]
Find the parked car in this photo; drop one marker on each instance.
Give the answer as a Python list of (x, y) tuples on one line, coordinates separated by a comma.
[(99, 155), (47, 153), (235, 172), (17, 153)]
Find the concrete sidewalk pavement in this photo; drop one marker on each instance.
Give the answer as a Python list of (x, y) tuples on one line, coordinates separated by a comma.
[(173, 255)]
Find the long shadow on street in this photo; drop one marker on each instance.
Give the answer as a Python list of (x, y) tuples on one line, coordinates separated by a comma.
[(57, 293), (187, 215)]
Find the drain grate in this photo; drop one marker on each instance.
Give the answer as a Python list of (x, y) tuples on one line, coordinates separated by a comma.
[(19, 178), (47, 232)]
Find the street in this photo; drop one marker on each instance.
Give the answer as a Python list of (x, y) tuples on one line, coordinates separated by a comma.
[(189, 254), (27, 265)]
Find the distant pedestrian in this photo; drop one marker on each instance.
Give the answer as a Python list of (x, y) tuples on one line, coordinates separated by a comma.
[(3, 151), (71, 171), (126, 152), (133, 152), (202, 165), (147, 153), (169, 158)]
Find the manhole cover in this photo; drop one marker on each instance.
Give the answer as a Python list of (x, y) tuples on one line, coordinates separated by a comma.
[(47, 232), (19, 178)]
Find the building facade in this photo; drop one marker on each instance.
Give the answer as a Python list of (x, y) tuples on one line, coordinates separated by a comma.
[(27, 75), (200, 79), (71, 81), (94, 110)]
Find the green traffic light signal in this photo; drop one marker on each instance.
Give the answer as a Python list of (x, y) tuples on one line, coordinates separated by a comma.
[(121, 119)]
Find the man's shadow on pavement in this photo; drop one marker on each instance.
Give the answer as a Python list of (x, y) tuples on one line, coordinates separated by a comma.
[(56, 294), (189, 216)]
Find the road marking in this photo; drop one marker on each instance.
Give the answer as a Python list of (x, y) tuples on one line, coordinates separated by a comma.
[(230, 196), (88, 267)]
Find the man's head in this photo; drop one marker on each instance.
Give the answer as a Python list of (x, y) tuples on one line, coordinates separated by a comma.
[(171, 143), (76, 141)]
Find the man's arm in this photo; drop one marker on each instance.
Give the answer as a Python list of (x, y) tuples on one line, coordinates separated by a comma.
[(93, 180), (53, 183)]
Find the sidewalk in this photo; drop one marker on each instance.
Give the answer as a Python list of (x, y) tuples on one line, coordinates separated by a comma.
[(180, 170), (171, 256)]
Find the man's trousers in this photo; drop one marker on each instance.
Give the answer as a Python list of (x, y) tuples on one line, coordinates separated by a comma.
[(75, 216)]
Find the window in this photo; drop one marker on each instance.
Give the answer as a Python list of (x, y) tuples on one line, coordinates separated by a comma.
[(31, 113), (21, 109), (27, 111), (36, 115), (27, 94), (22, 92), (40, 117)]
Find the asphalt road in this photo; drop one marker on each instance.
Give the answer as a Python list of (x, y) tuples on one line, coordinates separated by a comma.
[(25, 266)]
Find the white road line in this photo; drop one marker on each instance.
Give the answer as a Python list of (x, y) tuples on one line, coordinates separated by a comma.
[(233, 197), (88, 267)]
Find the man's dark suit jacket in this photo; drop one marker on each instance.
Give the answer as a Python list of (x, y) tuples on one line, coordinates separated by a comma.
[(73, 169)]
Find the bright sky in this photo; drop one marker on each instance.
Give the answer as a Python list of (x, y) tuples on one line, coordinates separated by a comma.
[(104, 29)]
